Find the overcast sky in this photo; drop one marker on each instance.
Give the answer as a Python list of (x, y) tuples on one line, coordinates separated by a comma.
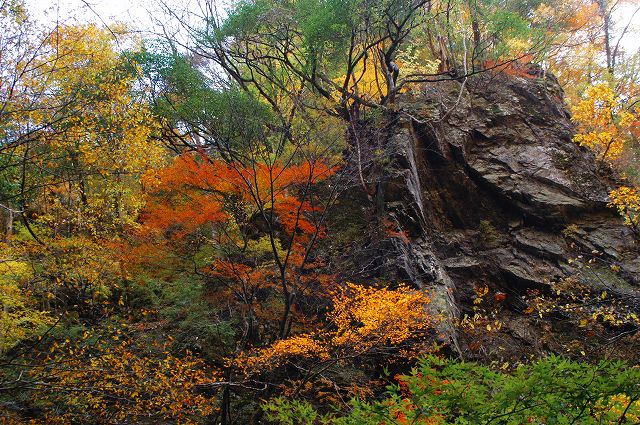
[(131, 11), (138, 14)]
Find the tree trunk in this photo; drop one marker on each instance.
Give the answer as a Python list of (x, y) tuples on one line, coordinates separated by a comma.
[(606, 27), (9, 215)]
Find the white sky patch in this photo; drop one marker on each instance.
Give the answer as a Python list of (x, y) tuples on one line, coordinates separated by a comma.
[(140, 15), (133, 12), (145, 17), (623, 16)]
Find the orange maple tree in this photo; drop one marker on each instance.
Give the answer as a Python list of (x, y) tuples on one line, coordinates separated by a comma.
[(262, 220), (196, 190)]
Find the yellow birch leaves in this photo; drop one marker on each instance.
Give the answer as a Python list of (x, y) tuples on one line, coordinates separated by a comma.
[(627, 201), (103, 135), (363, 320), (603, 124)]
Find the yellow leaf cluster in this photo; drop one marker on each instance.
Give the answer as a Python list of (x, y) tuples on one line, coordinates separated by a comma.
[(365, 316), (367, 80), (102, 132), (627, 201), (107, 382), (619, 406), (278, 353), (74, 271), (602, 125), (363, 320), (589, 309), (19, 318)]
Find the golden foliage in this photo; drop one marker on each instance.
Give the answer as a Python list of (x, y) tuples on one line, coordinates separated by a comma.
[(75, 270), (575, 57), (621, 406), (364, 320), (100, 131), (603, 126), (367, 81), (107, 379), (627, 201), (19, 317), (366, 317), (589, 308)]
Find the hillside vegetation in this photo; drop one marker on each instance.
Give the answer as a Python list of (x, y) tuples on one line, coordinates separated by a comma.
[(322, 212)]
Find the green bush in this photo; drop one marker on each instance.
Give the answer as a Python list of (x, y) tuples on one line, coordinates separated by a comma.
[(439, 391)]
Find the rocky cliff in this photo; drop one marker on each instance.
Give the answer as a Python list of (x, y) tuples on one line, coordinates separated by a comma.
[(493, 202)]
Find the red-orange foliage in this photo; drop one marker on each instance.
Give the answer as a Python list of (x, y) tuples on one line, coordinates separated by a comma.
[(196, 190), (258, 221), (391, 231)]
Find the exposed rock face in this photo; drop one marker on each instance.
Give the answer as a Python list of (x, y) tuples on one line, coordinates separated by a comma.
[(492, 192)]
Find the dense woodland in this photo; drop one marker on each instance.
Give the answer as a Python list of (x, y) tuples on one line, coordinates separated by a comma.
[(180, 213)]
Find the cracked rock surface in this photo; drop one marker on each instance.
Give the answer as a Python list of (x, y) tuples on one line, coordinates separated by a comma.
[(491, 191)]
